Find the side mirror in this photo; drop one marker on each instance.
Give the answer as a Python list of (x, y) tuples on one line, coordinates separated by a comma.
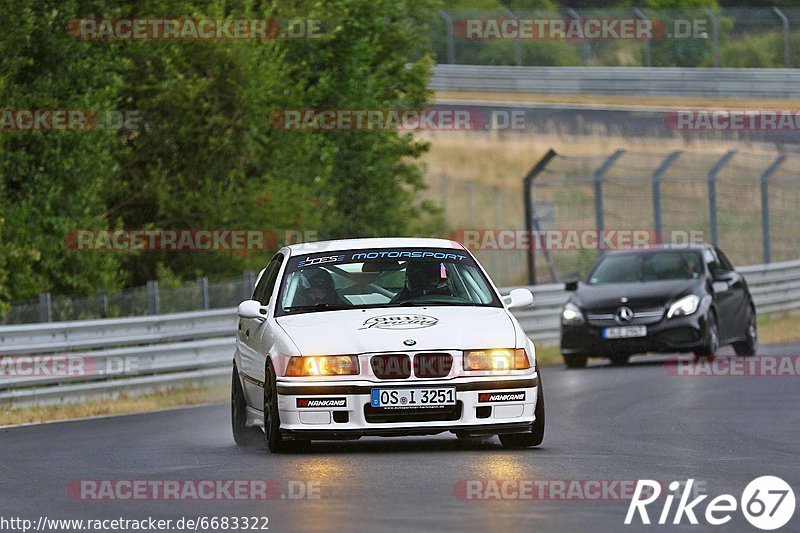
[(518, 298), (252, 309), (722, 275), (571, 286)]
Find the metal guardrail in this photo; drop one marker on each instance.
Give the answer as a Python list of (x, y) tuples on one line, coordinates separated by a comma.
[(141, 354), (638, 81)]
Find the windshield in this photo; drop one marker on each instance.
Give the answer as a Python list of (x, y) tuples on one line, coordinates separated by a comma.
[(643, 267), (374, 278)]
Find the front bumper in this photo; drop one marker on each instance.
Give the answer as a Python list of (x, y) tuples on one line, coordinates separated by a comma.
[(475, 413), (677, 334)]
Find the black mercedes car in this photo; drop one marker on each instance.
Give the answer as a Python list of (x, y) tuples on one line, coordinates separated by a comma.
[(663, 299)]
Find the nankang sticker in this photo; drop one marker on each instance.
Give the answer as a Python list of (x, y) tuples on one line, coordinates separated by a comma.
[(321, 402), (400, 322), (486, 397)]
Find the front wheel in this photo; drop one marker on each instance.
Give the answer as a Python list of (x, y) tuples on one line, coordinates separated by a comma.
[(711, 343), (243, 434), (272, 422), (536, 435), (750, 344)]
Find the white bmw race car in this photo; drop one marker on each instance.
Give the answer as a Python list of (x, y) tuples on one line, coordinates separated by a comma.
[(390, 337)]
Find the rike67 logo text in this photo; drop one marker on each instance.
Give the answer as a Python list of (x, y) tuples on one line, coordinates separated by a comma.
[(767, 502)]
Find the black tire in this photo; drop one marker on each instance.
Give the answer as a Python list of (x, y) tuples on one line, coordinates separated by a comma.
[(272, 422), (620, 360), (575, 361), (536, 435), (749, 346), (711, 342), (243, 434)]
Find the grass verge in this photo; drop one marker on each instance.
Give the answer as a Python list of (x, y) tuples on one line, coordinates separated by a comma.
[(178, 397)]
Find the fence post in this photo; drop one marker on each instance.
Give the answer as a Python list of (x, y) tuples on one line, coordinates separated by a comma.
[(662, 168), (766, 235), (103, 295), (202, 284), (527, 186), (583, 48), (249, 284), (647, 55), (153, 304), (712, 194), (45, 307), (599, 174), (787, 38), (714, 35), (451, 47), (517, 42)]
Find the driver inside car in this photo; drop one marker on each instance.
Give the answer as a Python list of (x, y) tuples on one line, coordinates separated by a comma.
[(423, 279), (317, 287)]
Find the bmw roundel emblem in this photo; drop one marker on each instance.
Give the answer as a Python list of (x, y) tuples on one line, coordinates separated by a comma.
[(409, 342)]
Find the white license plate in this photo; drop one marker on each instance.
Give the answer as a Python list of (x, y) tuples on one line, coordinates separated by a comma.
[(625, 332), (404, 398)]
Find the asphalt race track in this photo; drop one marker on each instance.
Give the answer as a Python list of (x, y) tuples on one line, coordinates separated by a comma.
[(603, 423)]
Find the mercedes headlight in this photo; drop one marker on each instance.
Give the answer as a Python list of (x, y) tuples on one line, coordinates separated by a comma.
[(572, 314), (685, 306)]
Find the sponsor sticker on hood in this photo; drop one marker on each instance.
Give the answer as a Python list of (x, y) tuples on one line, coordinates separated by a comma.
[(399, 322)]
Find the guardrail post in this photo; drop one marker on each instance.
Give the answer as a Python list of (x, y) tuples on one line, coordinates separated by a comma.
[(248, 285), (646, 44), (662, 168), (45, 307), (583, 49), (202, 284), (599, 175), (714, 35), (451, 47), (153, 304), (527, 185), (517, 42), (712, 194), (787, 38), (766, 236)]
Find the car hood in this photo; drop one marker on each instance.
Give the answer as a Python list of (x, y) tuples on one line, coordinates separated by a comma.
[(386, 330), (640, 295)]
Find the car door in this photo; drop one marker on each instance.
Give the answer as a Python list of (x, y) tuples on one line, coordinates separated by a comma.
[(724, 294), (251, 332), (740, 296)]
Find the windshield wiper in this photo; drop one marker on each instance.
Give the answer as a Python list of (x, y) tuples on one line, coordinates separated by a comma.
[(318, 307)]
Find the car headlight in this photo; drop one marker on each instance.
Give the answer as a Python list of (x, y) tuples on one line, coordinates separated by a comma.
[(572, 314), (685, 306), (502, 359), (322, 365)]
